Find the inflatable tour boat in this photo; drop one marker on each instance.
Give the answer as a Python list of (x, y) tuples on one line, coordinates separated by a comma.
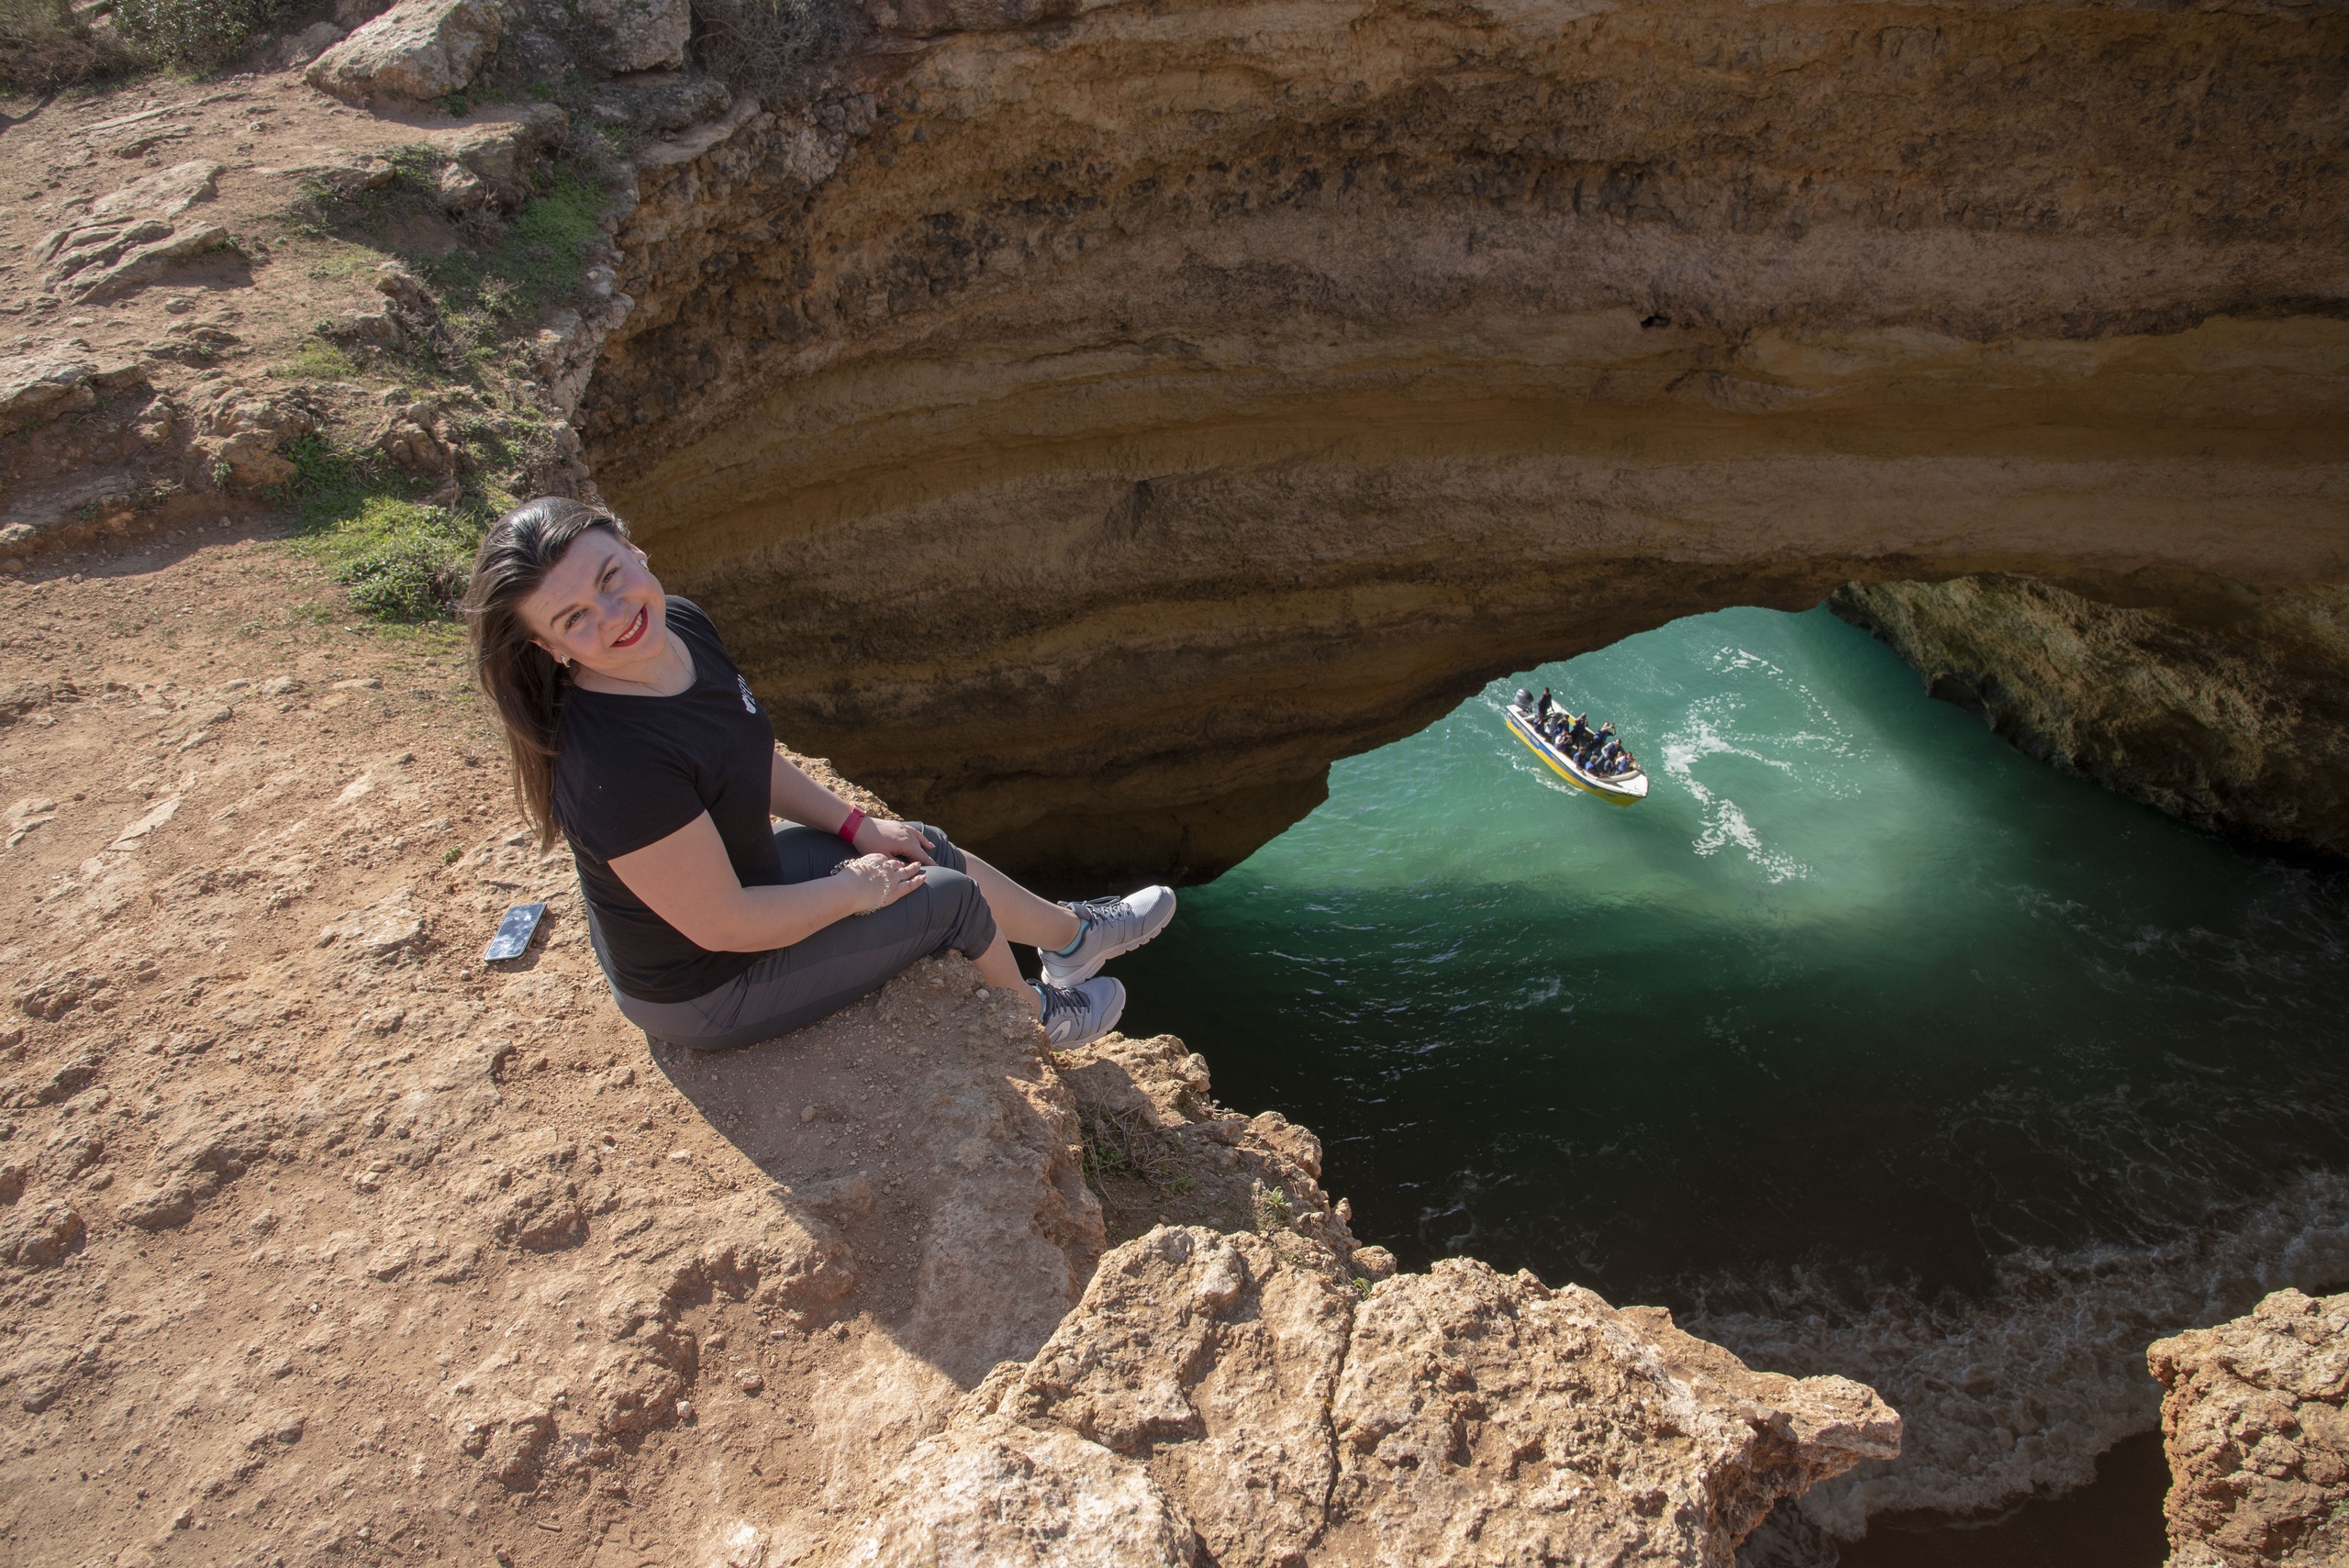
[(1620, 788)]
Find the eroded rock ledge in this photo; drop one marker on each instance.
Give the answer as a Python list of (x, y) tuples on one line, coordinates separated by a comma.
[(1091, 426), (1230, 1393)]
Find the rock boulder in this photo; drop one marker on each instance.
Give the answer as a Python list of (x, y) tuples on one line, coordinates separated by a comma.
[(416, 51), (640, 35), (503, 154), (132, 236), (1460, 1416), (998, 1493), (2257, 1436)]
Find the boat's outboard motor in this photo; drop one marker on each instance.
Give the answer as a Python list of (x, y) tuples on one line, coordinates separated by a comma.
[(1524, 697)]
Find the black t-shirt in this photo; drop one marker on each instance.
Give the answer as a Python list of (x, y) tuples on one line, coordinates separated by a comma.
[(630, 771)]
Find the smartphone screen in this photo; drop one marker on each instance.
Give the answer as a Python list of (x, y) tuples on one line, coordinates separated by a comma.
[(514, 932)]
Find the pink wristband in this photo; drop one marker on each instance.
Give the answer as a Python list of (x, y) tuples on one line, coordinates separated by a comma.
[(848, 829)]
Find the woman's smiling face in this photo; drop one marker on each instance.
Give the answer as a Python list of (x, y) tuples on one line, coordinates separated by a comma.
[(601, 607)]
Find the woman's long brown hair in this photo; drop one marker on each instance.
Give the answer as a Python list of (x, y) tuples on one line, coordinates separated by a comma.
[(521, 677)]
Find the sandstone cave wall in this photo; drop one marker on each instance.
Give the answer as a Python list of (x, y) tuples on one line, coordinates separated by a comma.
[(1088, 428)]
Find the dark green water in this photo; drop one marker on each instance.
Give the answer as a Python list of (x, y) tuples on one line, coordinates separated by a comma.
[(1865, 1043)]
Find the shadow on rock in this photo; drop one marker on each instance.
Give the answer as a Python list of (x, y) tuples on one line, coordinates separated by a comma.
[(925, 1128)]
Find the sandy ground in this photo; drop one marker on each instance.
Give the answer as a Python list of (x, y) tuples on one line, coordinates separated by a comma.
[(322, 1239), (325, 1239)]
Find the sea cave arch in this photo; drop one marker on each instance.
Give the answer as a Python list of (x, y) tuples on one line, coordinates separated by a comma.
[(1088, 425)]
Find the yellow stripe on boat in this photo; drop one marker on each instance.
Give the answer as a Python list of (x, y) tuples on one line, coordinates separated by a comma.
[(1623, 795)]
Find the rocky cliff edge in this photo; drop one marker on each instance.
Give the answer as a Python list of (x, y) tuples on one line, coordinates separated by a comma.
[(321, 1240), (2257, 1436)]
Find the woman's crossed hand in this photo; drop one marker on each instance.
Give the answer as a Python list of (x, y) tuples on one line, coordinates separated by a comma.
[(876, 835), (879, 879)]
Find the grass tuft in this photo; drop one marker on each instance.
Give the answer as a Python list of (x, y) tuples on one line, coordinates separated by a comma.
[(1273, 1210), (491, 295), (402, 558), (318, 359), (415, 574)]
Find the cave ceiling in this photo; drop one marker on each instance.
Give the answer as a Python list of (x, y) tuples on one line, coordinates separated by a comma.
[(1087, 426)]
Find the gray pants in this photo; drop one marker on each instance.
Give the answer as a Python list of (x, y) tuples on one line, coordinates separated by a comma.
[(816, 977)]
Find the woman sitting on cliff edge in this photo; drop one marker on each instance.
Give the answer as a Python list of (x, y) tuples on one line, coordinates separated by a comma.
[(634, 735)]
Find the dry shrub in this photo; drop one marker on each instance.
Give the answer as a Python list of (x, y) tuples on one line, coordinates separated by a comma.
[(775, 51), (197, 34), (44, 48)]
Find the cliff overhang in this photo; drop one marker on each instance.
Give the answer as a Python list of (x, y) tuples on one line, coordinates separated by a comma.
[(1097, 422)]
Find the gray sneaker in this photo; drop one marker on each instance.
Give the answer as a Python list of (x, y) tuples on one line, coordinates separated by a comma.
[(1077, 1015), (1112, 926)]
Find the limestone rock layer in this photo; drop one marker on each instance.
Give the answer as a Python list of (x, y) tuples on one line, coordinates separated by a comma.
[(1089, 427)]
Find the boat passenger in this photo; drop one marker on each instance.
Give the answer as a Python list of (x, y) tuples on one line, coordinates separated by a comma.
[(1542, 705), (1581, 729), (634, 735)]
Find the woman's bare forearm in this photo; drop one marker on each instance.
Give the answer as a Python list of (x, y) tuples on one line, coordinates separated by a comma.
[(688, 881), (754, 919), (796, 797)]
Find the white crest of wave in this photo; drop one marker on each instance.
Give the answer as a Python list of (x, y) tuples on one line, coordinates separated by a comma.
[(1722, 822), (2015, 1395)]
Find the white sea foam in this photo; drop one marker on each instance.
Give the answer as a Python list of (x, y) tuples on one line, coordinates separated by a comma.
[(2015, 1395), (1721, 822)]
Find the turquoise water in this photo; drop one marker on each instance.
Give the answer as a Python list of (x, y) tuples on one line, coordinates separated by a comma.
[(1865, 1043)]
